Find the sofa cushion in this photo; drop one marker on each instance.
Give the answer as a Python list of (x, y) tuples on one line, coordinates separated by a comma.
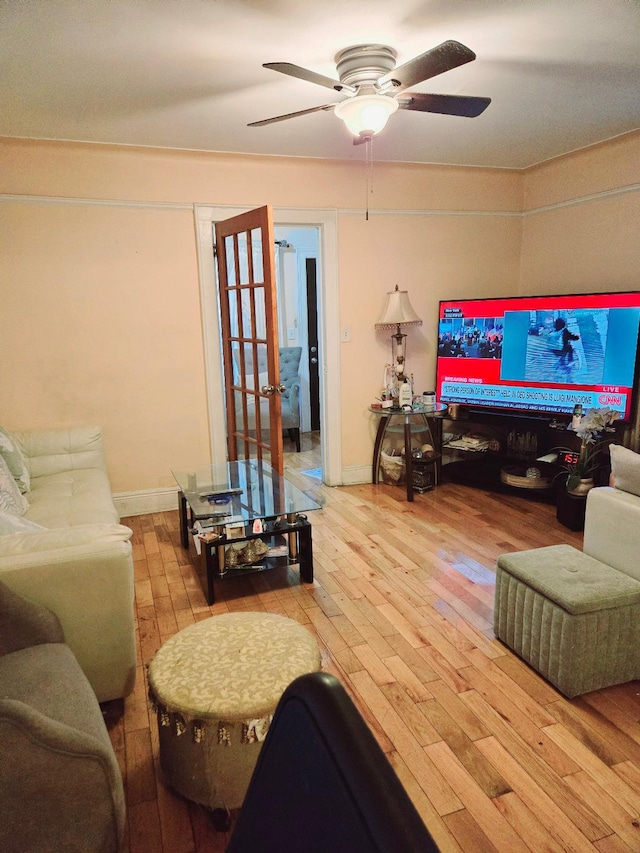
[(10, 523), (17, 544), (10, 451), (50, 451), (11, 500), (625, 467), (72, 497)]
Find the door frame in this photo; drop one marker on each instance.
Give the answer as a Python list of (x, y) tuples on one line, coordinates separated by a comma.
[(328, 322)]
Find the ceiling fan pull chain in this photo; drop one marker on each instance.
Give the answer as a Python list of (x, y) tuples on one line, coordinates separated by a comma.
[(368, 145)]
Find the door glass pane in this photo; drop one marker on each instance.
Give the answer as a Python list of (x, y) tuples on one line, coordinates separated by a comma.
[(248, 366), (263, 376), (239, 409), (247, 319), (256, 254), (244, 449), (233, 313), (264, 433), (237, 366), (231, 266), (242, 257), (261, 315)]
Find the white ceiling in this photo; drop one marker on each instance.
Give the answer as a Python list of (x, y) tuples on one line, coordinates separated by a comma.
[(562, 74)]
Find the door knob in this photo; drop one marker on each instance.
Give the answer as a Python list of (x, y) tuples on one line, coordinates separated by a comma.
[(314, 361), (268, 390)]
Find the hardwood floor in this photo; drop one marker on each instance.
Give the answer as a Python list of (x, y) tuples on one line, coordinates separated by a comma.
[(493, 757)]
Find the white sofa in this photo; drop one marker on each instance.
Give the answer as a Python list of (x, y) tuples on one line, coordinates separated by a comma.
[(81, 565), (612, 521), (612, 529)]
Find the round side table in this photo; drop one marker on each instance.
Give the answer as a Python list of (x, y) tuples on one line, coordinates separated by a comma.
[(424, 419)]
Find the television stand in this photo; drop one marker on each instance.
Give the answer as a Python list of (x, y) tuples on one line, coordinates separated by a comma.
[(504, 451)]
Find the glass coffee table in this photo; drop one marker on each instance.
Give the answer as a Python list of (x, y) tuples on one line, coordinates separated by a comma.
[(224, 505)]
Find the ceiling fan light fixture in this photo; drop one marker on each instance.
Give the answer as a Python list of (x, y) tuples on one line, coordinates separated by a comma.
[(365, 115)]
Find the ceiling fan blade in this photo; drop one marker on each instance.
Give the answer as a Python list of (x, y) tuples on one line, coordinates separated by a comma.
[(309, 76), (444, 57), (451, 105), (290, 115)]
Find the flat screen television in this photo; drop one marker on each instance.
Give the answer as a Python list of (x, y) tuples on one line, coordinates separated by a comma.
[(540, 354)]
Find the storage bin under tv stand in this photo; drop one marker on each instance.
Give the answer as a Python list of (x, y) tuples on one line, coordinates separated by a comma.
[(517, 441)]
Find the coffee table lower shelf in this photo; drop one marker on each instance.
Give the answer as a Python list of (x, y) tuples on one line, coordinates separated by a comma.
[(296, 530)]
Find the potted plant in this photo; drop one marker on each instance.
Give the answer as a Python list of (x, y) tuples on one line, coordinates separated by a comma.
[(579, 467)]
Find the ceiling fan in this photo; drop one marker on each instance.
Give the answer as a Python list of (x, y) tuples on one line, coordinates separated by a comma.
[(375, 88)]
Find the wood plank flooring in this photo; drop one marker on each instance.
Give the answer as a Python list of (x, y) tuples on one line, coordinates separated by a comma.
[(493, 757)]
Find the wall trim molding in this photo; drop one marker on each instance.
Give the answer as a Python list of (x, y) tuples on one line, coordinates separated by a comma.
[(96, 202), (585, 199), (387, 211), (183, 206)]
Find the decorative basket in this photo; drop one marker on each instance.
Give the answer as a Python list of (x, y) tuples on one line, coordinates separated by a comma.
[(392, 467), (515, 475)]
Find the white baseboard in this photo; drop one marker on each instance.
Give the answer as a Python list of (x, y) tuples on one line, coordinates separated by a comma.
[(161, 500), (145, 502), (354, 475)]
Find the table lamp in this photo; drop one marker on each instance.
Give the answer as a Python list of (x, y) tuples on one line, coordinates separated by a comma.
[(398, 312)]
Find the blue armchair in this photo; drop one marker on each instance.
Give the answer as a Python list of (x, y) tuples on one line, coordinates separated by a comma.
[(290, 378), (290, 397)]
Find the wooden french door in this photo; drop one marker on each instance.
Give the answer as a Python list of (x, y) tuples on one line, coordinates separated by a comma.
[(246, 281)]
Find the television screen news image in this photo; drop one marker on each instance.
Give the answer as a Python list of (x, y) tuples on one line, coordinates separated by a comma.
[(540, 354)]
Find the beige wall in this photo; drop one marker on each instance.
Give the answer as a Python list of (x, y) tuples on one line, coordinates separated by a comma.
[(100, 315), (100, 324), (581, 221), (432, 257)]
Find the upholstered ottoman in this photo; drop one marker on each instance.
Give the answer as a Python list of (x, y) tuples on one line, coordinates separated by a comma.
[(572, 618), (216, 685)]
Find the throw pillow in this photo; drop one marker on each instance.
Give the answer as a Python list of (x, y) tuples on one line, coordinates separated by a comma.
[(12, 454), (10, 498), (16, 524), (625, 467)]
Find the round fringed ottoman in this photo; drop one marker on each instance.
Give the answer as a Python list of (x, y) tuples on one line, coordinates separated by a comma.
[(215, 686)]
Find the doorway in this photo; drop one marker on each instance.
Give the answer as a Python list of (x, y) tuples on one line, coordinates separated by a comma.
[(324, 223), (297, 264)]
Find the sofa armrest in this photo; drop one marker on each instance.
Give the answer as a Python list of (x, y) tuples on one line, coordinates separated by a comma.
[(25, 623), (85, 576), (51, 451), (60, 785), (612, 529), (57, 736), (291, 396), (294, 396)]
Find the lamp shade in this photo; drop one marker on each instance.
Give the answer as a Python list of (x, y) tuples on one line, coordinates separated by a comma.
[(365, 115), (398, 311)]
